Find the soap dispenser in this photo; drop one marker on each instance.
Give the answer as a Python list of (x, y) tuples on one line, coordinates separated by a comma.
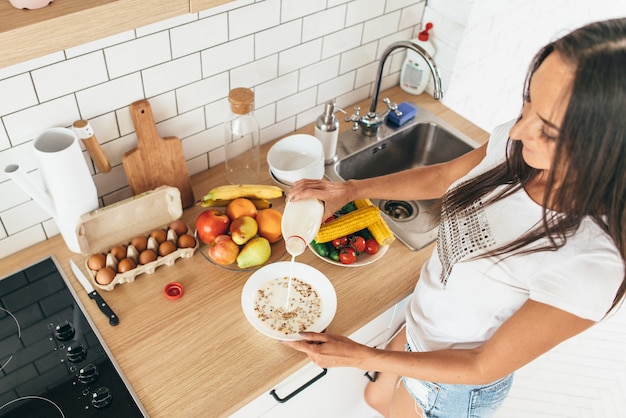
[(414, 76), (327, 131)]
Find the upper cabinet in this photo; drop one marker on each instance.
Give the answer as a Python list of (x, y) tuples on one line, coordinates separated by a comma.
[(28, 34)]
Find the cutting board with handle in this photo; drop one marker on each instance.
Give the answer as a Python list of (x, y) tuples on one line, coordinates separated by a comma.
[(156, 161)]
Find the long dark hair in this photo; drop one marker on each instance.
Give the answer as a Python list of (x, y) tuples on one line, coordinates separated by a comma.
[(591, 147)]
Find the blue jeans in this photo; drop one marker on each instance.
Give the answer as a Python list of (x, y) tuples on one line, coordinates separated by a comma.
[(458, 401)]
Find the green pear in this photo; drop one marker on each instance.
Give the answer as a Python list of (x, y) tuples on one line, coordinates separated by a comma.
[(243, 229), (256, 252)]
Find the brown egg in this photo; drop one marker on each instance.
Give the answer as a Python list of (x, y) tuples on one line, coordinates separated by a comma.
[(147, 256), (179, 227), (166, 247), (186, 241), (159, 235), (96, 262), (119, 252), (140, 243), (105, 275), (126, 264)]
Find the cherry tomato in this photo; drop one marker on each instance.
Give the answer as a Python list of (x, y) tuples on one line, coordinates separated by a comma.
[(347, 255), (358, 242), (340, 242), (371, 246)]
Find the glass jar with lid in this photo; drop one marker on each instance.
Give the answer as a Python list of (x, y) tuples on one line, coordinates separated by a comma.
[(242, 139)]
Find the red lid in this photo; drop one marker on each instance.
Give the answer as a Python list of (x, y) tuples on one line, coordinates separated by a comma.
[(173, 290), (423, 35)]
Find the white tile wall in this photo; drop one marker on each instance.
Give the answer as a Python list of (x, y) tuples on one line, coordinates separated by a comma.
[(294, 54)]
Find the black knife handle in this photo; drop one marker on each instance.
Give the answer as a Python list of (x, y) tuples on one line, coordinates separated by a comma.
[(106, 309)]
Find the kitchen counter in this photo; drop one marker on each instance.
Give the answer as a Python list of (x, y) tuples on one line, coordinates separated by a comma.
[(198, 356)]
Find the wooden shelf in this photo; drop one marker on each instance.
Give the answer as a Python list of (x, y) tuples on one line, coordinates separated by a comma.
[(28, 34)]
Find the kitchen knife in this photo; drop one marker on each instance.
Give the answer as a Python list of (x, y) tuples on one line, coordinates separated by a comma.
[(93, 294)]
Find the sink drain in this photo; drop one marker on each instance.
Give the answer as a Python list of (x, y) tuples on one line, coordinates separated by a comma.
[(399, 210)]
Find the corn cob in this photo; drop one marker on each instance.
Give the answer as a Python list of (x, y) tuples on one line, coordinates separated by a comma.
[(251, 191), (258, 203), (379, 230), (348, 224)]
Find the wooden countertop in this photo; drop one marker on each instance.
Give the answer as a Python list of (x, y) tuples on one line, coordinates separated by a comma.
[(198, 356)]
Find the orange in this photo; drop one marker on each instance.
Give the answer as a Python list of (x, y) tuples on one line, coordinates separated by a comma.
[(240, 207), (269, 221)]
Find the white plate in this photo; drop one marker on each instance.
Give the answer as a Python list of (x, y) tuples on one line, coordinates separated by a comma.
[(362, 259), (303, 272)]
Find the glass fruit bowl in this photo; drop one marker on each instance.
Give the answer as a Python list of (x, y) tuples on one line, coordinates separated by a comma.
[(278, 253)]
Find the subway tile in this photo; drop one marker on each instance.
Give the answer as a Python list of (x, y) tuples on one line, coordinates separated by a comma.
[(109, 96), (392, 5), (21, 217), (114, 180), (26, 124), (198, 164), (254, 18), (166, 24), (182, 126), (163, 106), (336, 87), (309, 116), (221, 58), (319, 72), (104, 127), (4, 139), (342, 41), (412, 16), (116, 149), (332, 3), (358, 57), (30, 65), (295, 104), (216, 113), (118, 195), (100, 44), (201, 92), (21, 91), (197, 145), (381, 26), (294, 9), (171, 75), (323, 23), (137, 54), (361, 10), (366, 74), (278, 38), (255, 73), (266, 115), (278, 130), (276, 89), (199, 35), (299, 56), (69, 76), (21, 240)]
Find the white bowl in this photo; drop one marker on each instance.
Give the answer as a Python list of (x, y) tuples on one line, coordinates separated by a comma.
[(296, 157), (279, 270)]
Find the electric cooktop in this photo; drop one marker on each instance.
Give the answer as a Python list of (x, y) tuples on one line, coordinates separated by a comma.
[(53, 361)]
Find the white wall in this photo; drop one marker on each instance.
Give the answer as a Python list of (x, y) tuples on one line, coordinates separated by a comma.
[(492, 43)]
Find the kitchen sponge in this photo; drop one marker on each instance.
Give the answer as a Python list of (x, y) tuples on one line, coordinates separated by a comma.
[(408, 112)]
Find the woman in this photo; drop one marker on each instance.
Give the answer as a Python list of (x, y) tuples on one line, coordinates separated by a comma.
[(530, 250)]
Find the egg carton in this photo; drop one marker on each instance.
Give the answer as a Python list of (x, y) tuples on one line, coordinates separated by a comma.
[(117, 224)]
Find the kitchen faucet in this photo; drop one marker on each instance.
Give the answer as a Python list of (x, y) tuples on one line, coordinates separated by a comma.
[(371, 122)]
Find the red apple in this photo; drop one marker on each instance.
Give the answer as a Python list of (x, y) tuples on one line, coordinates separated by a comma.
[(210, 224), (224, 251)]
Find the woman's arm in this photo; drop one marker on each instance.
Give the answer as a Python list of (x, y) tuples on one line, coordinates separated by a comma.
[(533, 330), (420, 183)]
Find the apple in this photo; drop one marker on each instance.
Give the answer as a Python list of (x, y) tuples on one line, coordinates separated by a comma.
[(210, 224), (224, 250), (243, 229)]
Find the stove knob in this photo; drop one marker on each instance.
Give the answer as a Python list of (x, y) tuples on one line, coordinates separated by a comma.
[(88, 374), (64, 332), (101, 398), (76, 353)]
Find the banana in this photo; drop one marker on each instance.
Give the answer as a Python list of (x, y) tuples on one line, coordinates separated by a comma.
[(251, 191), (258, 203)]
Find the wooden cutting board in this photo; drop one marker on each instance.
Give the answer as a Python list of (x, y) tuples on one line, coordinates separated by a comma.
[(156, 161)]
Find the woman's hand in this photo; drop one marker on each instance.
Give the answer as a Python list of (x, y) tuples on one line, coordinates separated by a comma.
[(334, 194), (327, 350)]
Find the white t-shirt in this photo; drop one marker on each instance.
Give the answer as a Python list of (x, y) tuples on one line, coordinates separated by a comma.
[(582, 277)]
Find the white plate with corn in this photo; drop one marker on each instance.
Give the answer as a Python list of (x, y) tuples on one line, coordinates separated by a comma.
[(357, 236)]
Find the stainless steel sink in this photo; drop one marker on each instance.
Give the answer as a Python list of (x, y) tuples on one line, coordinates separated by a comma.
[(425, 140)]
